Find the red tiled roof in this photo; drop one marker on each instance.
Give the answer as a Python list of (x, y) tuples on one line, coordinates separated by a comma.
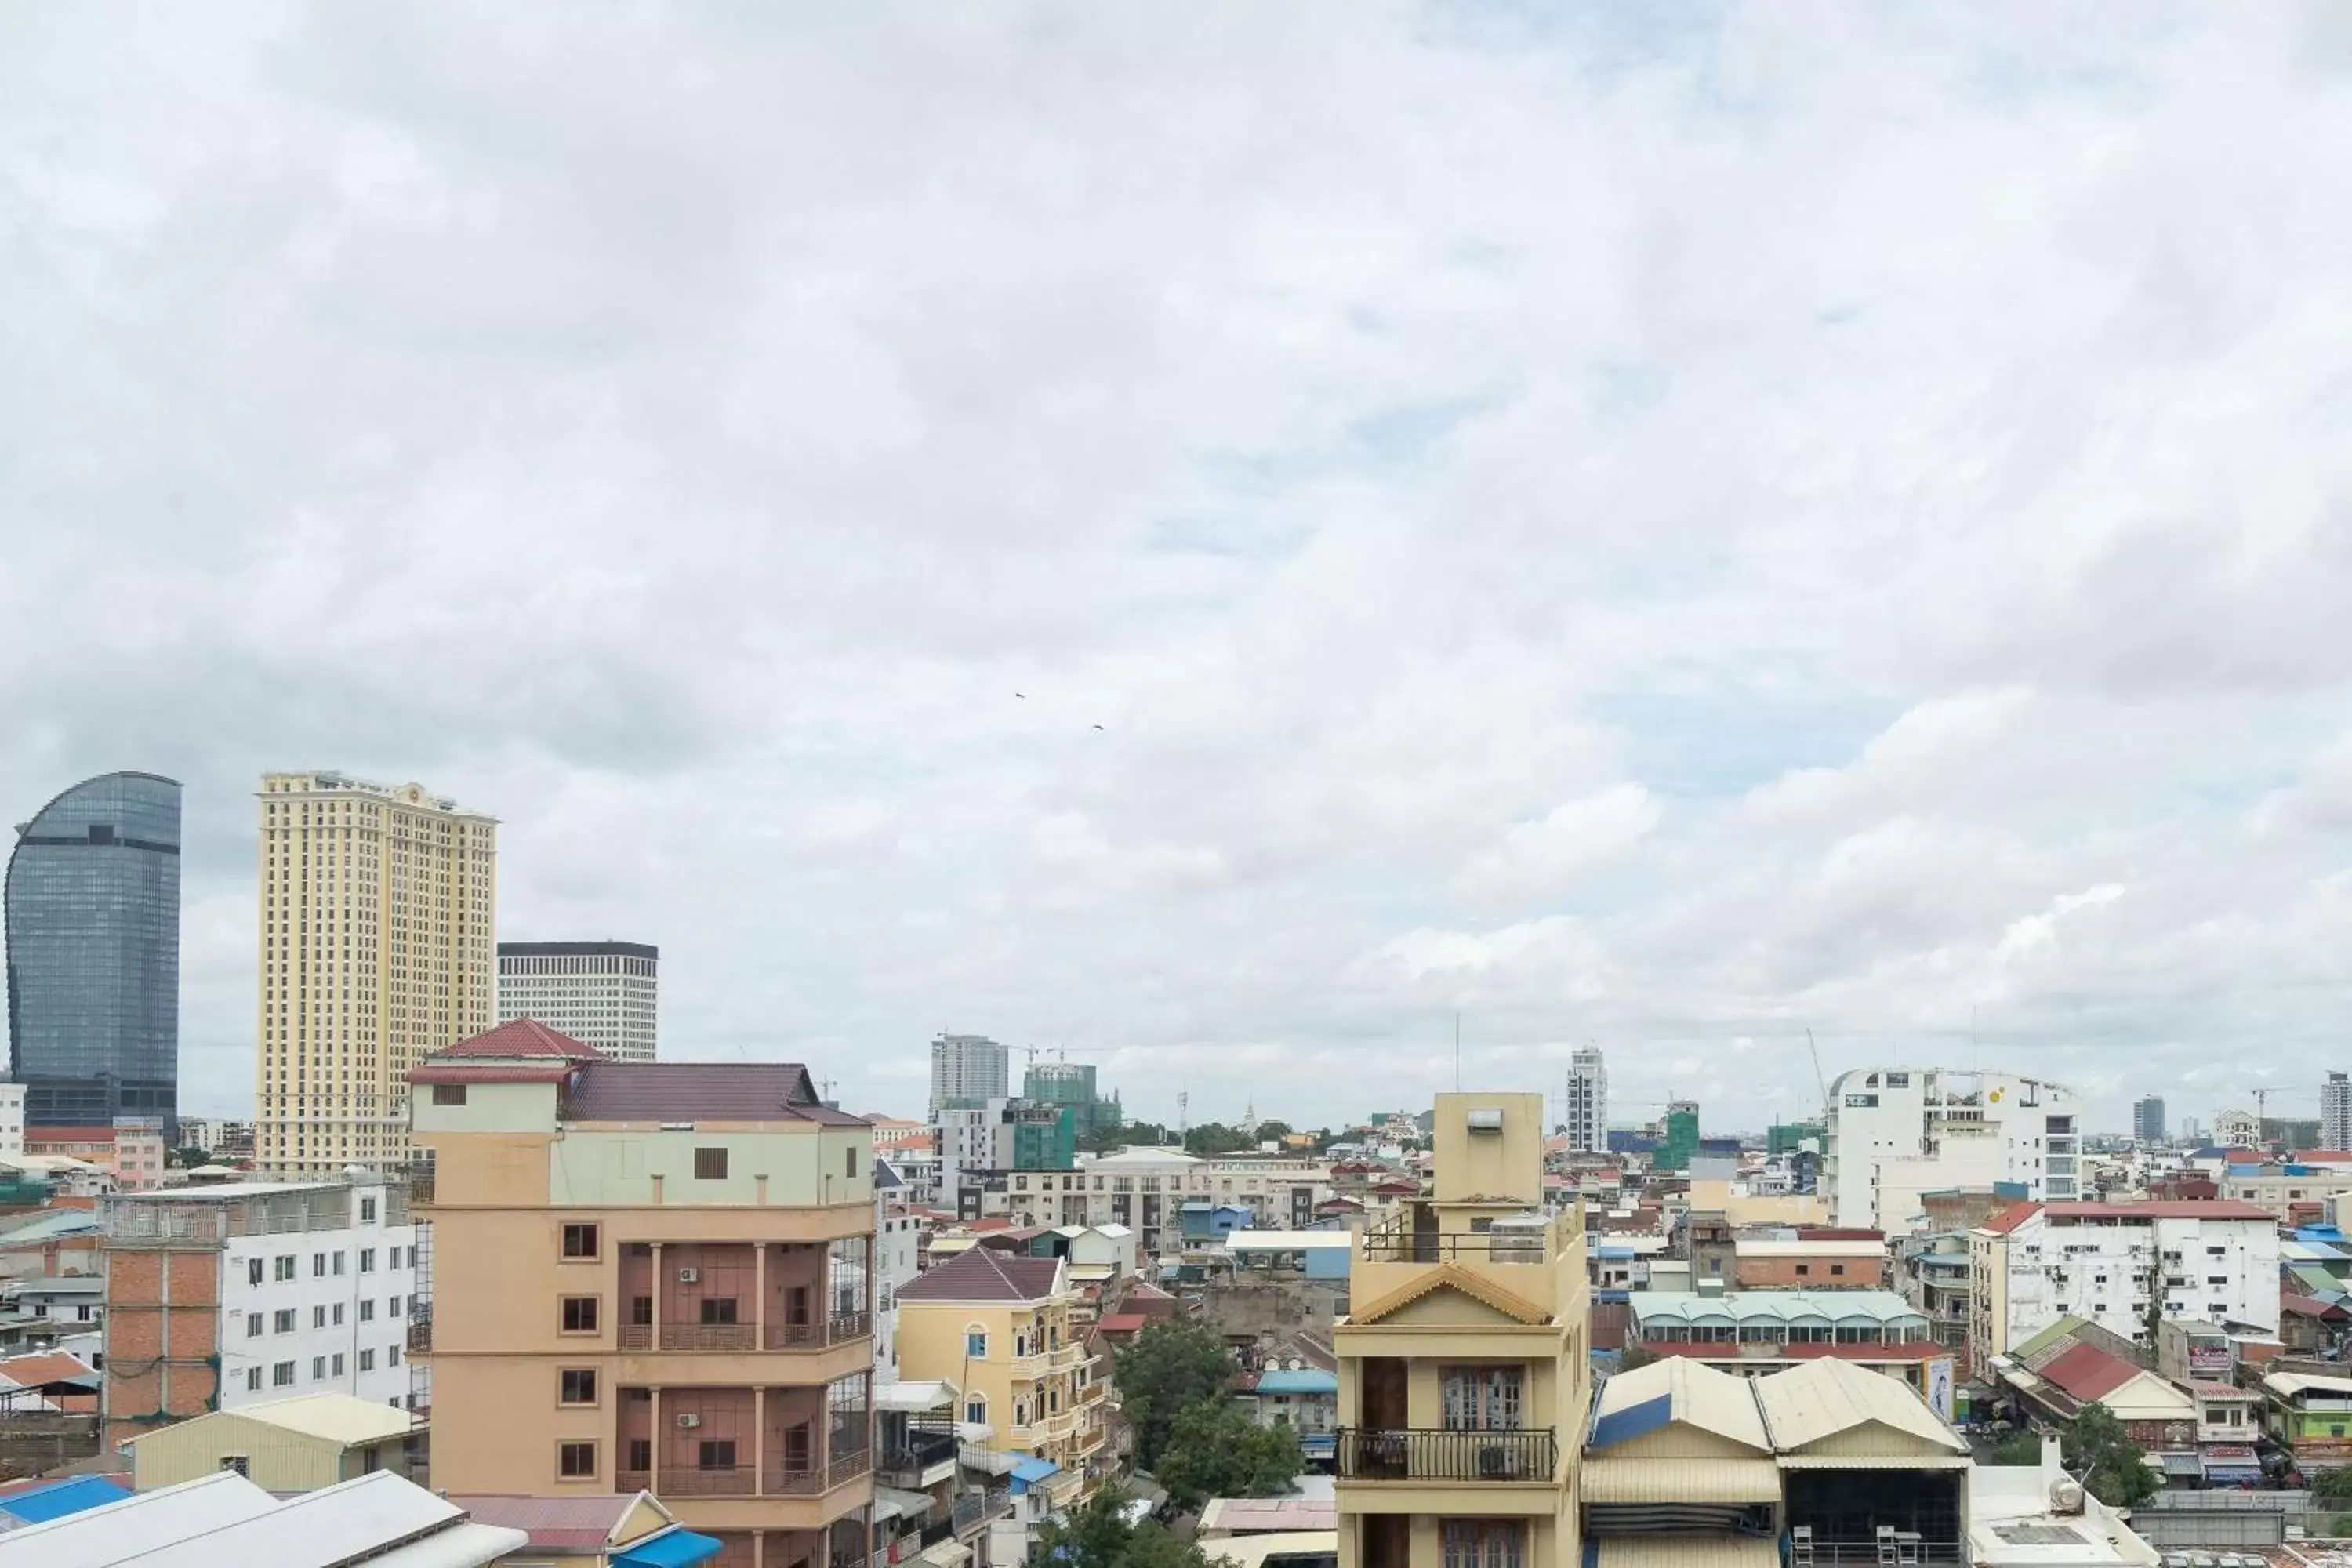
[(2010, 1218), (2301, 1306), (2320, 1157), (554, 1523), (1121, 1323), (2088, 1372), (96, 1137), (697, 1092), (520, 1037), (983, 1275), (2160, 1208), (2218, 1390)]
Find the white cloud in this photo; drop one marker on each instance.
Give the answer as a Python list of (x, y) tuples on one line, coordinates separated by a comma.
[(1907, 443)]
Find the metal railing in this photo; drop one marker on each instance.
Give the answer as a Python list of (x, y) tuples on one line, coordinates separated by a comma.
[(839, 1329), (683, 1481), (921, 1451), (1433, 1454), (971, 1509), (811, 1480), (1395, 1244), (632, 1480), (689, 1337), (420, 1336)]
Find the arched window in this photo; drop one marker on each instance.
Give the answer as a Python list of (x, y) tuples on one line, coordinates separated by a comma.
[(975, 1409)]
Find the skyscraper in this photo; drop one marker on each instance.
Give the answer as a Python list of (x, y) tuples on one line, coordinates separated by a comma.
[(377, 948), (2147, 1120), (93, 931), (1587, 1101), (968, 1067), (2336, 1112), (602, 993)]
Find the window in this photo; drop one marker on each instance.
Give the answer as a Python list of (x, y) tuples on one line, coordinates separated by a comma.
[(282, 1268), (392, 1307), (339, 1263), (1837, 1270), (253, 1271), (448, 1094), (575, 1461), (710, 1165), (975, 1411), (1483, 1398), (253, 1380), (367, 1211), (718, 1454), (318, 1266), (317, 1369), (367, 1361), (392, 1356), (318, 1317), (338, 1314), (975, 1343), (580, 1243), (367, 1259), (641, 1454), (367, 1311), (282, 1375), (850, 1164), (252, 1325), (1804, 1269), (719, 1309), (338, 1363), (576, 1385), (580, 1314), (1485, 1543), (282, 1320)]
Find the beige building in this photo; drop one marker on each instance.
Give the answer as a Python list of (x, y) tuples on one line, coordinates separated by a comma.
[(295, 1445), (650, 1276), (998, 1328), (377, 948), (1463, 1377)]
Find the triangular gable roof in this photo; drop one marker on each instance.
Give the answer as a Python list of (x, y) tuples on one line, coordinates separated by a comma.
[(520, 1037), (1632, 1404), (1453, 1276), (2088, 1372), (1823, 1398), (2010, 1218), (984, 1274)]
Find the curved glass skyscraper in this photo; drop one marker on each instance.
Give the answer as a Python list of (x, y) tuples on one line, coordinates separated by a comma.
[(93, 926)]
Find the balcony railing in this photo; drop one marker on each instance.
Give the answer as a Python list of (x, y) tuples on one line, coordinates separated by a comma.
[(682, 1482), (1064, 1355), (420, 1336), (839, 1329), (1394, 1243), (689, 1337), (919, 1453), (844, 1468), (632, 1480), (971, 1508), (1431, 1454)]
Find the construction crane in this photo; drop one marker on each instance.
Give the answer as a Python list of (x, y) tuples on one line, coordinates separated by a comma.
[(1820, 1078)]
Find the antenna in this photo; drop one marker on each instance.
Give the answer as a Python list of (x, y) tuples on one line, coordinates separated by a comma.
[(1184, 1113)]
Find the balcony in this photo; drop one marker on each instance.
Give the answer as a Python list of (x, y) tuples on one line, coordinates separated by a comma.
[(1092, 1394), (1433, 1454), (686, 1482), (420, 1336), (742, 1480), (972, 1510), (1064, 1356), (734, 1337), (839, 1329), (844, 1468), (904, 1465)]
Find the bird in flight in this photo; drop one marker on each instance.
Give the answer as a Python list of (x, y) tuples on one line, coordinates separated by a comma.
[(1097, 726), (1022, 695)]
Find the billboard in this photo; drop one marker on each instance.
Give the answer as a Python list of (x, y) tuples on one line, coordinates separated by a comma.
[(1939, 1386)]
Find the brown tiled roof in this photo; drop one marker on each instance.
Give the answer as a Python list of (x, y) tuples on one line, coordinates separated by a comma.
[(982, 1275), (697, 1092), (489, 1072), (521, 1038), (554, 1523)]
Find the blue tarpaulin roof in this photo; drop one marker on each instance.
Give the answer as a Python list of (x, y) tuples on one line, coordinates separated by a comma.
[(1304, 1380), (1623, 1426), (1029, 1472), (671, 1549), (38, 1505)]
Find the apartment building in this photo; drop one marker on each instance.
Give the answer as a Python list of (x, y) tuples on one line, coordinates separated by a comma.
[(605, 994), (130, 1154), (1894, 1133), (968, 1067), (377, 947), (653, 1276), (1146, 1190), (2292, 1191), (998, 1328), (218, 1136), (1463, 1382), (221, 1298), (1587, 1101), (1832, 1261), (2102, 1261)]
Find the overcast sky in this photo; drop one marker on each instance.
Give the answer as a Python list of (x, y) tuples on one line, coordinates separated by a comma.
[(1653, 525)]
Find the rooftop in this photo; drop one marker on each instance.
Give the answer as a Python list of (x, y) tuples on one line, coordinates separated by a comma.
[(984, 1274), (1782, 1306)]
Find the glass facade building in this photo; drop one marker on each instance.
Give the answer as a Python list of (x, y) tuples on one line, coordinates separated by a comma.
[(92, 915)]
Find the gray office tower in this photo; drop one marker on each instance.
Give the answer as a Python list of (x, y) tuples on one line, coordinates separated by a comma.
[(2147, 1120), (92, 917)]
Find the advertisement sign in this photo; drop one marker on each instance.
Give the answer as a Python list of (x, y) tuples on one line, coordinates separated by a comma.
[(1939, 1386)]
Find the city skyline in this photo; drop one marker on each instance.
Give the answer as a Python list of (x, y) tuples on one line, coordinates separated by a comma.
[(1661, 526)]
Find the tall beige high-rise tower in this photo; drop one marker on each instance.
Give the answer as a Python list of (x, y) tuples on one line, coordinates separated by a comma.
[(378, 947)]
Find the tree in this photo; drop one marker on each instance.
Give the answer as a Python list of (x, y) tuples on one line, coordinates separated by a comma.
[(1099, 1536), (2024, 1448), (1276, 1131), (1216, 1138), (1633, 1356), (187, 1158), (1170, 1365), (2332, 1489), (1215, 1449), (2114, 1468)]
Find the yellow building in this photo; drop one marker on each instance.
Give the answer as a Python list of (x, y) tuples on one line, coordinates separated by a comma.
[(1463, 1375), (377, 947), (998, 1328), (295, 1445), (650, 1276)]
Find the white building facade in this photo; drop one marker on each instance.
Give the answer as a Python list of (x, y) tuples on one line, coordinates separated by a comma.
[(1587, 1101), (1896, 1132), (12, 1121), (316, 1310), (2217, 1261), (2336, 1112), (898, 1242), (968, 1067), (602, 993)]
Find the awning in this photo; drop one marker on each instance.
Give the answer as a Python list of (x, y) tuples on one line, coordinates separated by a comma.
[(1031, 1471), (2183, 1465), (891, 1502), (918, 1394), (1679, 1480), (948, 1553), (671, 1549)]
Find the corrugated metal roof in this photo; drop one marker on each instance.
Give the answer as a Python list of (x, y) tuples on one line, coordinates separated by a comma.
[(1288, 1240), (343, 1418), (1874, 1461), (1703, 1397), (1808, 1403), (1821, 1307), (2294, 1383), (1685, 1551), (554, 1523), (1251, 1550), (1679, 1480), (1306, 1380), (1258, 1516)]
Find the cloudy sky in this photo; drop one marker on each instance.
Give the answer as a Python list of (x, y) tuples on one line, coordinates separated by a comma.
[(1662, 526)]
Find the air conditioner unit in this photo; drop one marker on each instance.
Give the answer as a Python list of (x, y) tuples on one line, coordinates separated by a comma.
[(688, 1421), (688, 1276)]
